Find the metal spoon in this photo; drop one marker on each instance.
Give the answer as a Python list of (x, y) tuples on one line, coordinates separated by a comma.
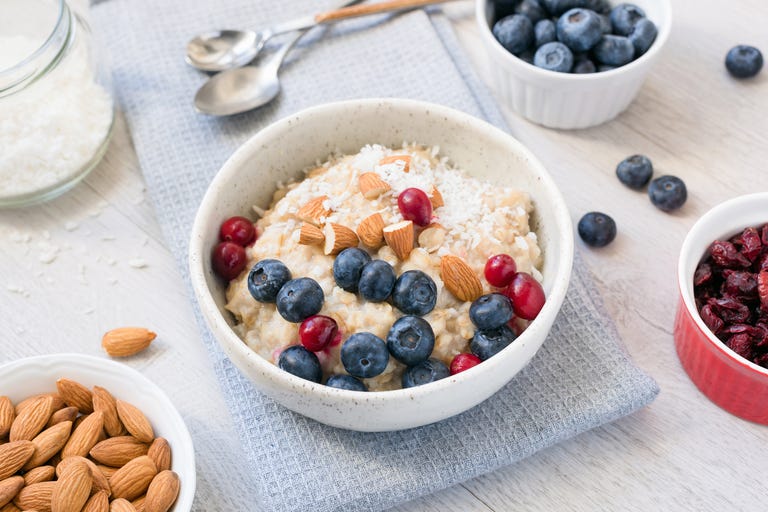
[(226, 49)]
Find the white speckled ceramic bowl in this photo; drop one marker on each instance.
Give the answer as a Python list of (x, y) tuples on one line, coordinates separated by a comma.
[(280, 152), (26, 377)]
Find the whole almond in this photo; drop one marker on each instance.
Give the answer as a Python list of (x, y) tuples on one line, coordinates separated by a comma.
[(338, 238), (313, 211), (76, 395), (99, 502), (85, 436), (371, 185), (138, 503), (73, 488), (160, 453), (13, 456), (127, 341), (371, 231), (9, 488), (36, 497), (58, 402), (39, 474), (65, 414), (107, 471), (135, 422), (121, 505), (31, 420), (10, 507), (48, 443), (104, 402), (162, 492), (406, 159), (99, 480), (118, 451), (460, 279), (7, 414), (399, 237), (309, 234), (132, 480)]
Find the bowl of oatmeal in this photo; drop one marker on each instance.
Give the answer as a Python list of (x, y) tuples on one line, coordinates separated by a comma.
[(336, 184)]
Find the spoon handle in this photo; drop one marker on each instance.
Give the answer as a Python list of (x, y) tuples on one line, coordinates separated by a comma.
[(363, 10)]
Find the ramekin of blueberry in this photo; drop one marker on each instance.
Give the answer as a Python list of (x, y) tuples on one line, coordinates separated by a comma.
[(571, 63), (721, 327)]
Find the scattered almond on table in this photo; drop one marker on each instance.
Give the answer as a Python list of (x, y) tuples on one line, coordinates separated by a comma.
[(127, 341)]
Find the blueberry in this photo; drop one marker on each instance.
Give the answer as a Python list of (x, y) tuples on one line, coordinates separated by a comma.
[(486, 344), (605, 24), (266, 278), (347, 268), (343, 381), (558, 7), (599, 6), (667, 193), (579, 29), (597, 229), (624, 17), (411, 340), (515, 33), (428, 371), (300, 362), (643, 35), (490, 311), (545, 32), (532, 9), (299, 299), (503, 8), (744, 61), (614, 50), (364, 355), (415, 293), (602, 68), (376, 281), (554, 57), (635, 171), (526, 56), (583, 66)]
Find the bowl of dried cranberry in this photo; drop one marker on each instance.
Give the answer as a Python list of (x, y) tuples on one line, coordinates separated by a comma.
[(721, 328)]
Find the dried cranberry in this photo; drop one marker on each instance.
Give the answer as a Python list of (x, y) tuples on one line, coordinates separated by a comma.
[(762, 287), (762, 360), (762, 340), (703, 274), (730, 310), (761, 263), (751, 244), (739, 284), (764, 234), (714, 322), (741, 344), (726, 255)]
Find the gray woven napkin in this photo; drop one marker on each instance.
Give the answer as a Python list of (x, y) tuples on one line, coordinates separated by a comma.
[(580, 379)]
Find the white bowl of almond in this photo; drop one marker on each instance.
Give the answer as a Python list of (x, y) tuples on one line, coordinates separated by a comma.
[(84, 433), (376, 284)]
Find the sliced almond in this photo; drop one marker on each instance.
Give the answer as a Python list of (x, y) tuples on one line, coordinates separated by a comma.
[(58, 403), (127, 341), (460, 279), (7, 414), (39, 474), (85, 436), (32, 419), (75, 394), (311, 235), (406, 159), (104, 402), (36, 497), (371, 231), (135, 422), (121, 505), (65, 414), (73, 488), (118, 451), (132, 480), (48, 443), (399, 237), (160, 453), (338, 238), (371, 185), (432, 237), (9, 488), (13, 456), (436, 199), (162, 492), (99, 502), (313, 211)]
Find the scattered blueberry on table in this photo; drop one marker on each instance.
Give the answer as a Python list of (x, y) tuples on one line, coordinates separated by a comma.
[(597, 229), (667, 193), (744, 61), (635, 171)]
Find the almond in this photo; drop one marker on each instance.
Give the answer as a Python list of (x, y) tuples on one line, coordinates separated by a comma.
[(65, 414), (107, 471), (138, 503), (432, 237), (371, 231), (406, 159), (121, 505), (338, 238), (311, 235), (98, 480), (7, 414), (104, 402), (13, 456), (371, 185), (132, 480), (36, 497), (99, 502), (31, 420), (314, 212), (58, 403), (160, 453), (10, 507), (460, 279), (436, 199), (48, 443), (73, 488), (135, 422), (118, 451), (39, 474), (9, 488), (162, 492), (84, 437), (75, 395), (126, 341), (400, 238)]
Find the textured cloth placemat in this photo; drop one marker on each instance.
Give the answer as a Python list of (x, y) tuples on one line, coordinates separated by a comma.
[(581, 377)]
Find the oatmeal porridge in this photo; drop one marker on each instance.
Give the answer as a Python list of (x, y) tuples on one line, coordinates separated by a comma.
[(358, 201)]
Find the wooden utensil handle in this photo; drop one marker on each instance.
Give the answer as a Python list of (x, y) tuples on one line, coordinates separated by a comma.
[(362, 10)]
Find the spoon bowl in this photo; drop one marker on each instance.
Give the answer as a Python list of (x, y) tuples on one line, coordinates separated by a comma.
[(238, 90), (224, 49)]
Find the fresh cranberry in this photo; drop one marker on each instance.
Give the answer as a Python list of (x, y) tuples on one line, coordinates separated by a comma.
[(228, 260), (238, 230), (464, 362), (526, 294), (317, 331), (499, 270), (414, 204)]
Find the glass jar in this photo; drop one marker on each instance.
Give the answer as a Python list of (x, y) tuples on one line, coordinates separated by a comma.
[(56, 103)]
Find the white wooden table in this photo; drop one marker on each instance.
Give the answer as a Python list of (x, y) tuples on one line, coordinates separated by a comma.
[(95, 259)]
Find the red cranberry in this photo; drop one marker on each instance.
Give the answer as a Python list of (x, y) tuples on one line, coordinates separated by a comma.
[(238, 230), (499, 270), (414, 204), (464, 362), (228, 260), (526, 294), (317, 331)]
